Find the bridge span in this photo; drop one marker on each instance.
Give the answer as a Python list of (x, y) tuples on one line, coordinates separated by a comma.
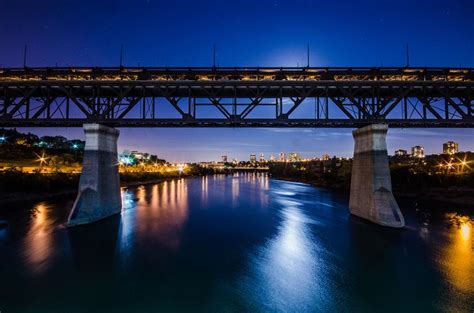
[(237, 97), (369, 99)]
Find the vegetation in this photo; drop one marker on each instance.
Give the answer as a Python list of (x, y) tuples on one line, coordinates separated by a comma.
[(334, 173), (436, 176), (13, 180), (32, 164)]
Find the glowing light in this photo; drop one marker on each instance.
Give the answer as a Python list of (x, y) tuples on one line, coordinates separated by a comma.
[(457, 255), (126, 160), (42, 159), (75, 146), (465, 231), (464, 163)]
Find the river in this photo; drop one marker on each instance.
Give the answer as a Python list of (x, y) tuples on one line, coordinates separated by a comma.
[(237, 243)]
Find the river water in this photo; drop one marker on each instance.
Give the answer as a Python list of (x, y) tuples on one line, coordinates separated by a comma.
[(241, 243)]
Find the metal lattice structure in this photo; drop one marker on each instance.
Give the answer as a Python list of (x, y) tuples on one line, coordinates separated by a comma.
[(232, 97)]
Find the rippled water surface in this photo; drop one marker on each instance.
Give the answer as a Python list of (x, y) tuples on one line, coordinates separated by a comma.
[(242, 243)]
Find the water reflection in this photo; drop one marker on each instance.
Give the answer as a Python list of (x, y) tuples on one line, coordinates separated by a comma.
[(38, 242), (285, 272), (159, 212), (93, 246), (240, 243), (204, 189), (457, 254), (3, 231)]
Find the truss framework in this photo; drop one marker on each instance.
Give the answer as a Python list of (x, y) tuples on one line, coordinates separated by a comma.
[(321, 103)]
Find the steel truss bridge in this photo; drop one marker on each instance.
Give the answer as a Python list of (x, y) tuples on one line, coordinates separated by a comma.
[(237, 97)]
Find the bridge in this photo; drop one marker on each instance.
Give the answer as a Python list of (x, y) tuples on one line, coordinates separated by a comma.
[(237, 97), (369, 99)]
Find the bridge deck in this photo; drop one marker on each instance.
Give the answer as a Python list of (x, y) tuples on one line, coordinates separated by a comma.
[(237, 97), (238, 74)]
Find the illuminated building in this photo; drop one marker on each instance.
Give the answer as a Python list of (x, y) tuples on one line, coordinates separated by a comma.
[(401, 152), (294, 157), (253, 158), (224, 158), (272, 158), (282, 157), (326, 157), (450, 147), (418, 152), (262, 158)]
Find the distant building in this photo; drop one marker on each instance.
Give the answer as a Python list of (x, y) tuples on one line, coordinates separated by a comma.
[(253, 158), (138, 155), (262, 157), (128, 157), (294, 157), (235, 161), (326, 157), (282, 157), (272, 158), (401, 152), (450, 147), (224, 158), (417, 152)]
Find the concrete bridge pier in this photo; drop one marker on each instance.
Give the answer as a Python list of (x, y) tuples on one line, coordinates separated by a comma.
[(99, 187), (371, 187)]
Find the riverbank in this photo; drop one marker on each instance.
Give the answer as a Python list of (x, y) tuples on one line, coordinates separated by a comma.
[(463, 196), (128, 181)]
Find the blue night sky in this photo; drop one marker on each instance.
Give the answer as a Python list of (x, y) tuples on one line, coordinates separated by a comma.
[(246, 33)]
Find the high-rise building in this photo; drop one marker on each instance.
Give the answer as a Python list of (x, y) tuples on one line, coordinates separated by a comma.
[(401, 152), (262, 157), (282, 157), (253, 158), (450, 147), (224, 158), (417, 152), (326, 157), (272, 158), (294, 157)]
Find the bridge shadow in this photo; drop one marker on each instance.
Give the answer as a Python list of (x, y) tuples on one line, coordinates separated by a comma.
[(93, 245)]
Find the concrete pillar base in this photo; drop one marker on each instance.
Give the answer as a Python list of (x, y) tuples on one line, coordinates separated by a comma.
[(99, 188), (371, 187)]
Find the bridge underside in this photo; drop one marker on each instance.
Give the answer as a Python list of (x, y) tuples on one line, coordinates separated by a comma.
[(237, 98)]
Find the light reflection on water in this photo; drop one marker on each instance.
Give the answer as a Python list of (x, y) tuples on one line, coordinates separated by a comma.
[(158, 213), (284, 273), (38, 242), (237, 243), (458, 253)]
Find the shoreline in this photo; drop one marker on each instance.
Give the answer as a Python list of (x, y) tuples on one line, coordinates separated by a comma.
[(446, 196), (449, 197), (25, 197)]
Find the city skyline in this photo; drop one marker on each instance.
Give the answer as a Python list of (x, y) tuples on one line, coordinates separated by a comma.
[(158, 38), (317, 140)]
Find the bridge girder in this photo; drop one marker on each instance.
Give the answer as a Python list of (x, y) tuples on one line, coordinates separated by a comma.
[(328, 103)]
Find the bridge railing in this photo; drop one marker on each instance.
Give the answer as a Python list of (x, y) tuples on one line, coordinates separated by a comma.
[(237, 74)]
